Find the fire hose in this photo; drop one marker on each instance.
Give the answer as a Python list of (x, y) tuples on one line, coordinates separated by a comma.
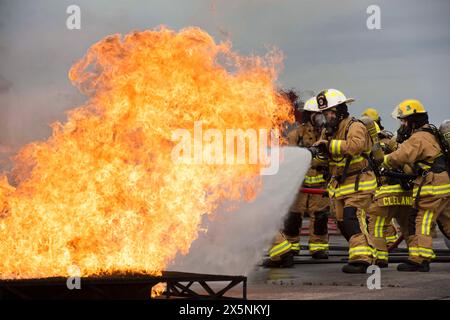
[(314, 191)]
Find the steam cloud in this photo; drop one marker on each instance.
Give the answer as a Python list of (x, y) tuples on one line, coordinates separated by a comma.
[(235, 241)]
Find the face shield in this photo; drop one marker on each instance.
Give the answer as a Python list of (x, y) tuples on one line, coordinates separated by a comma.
[(318, 119), (396, 113)]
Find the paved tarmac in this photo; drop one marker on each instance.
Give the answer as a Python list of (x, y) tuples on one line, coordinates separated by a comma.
[(325, 280), (310, 279)]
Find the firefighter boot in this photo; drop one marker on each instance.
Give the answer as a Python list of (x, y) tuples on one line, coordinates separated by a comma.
[(355, 267), (411, 266), (320, 255), (382, 264), (286, 261)]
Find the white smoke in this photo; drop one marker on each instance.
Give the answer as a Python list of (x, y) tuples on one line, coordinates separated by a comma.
[(235, 241)]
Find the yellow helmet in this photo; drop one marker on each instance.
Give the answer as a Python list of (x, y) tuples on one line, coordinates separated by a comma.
[(408, 107), (371, 113)]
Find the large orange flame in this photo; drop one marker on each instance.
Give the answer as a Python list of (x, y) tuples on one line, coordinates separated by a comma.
[(102, 193)]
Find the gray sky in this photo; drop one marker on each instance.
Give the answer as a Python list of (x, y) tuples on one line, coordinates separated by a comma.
[(326, 45)]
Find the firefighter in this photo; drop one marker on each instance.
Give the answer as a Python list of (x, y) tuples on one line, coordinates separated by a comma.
[(390, 231), (345, 145), (375, 116), (422, 150), (317, 207), (390, 200)]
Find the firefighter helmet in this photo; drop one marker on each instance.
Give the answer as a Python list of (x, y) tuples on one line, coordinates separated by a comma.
[(372, 114), (407, 108), (444, 128), (311, 105), (331, 98)]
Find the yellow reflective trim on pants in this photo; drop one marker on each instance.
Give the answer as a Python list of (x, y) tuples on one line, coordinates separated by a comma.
[(363, 223), (361, 250), (426, 222), (382, 255), (379, 225), (350, 188), (391, 238), (429, 223), (421, 252), (377, 221), (360, 253), (433, 190), (281, 248), (318, 246)]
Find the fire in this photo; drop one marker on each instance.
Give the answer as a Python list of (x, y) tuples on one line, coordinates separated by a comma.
[(102, 193), (158, 290)]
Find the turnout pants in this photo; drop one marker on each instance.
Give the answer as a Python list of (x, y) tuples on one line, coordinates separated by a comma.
[(429, 210), (289, 237), (351, 215), (381, 230)]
